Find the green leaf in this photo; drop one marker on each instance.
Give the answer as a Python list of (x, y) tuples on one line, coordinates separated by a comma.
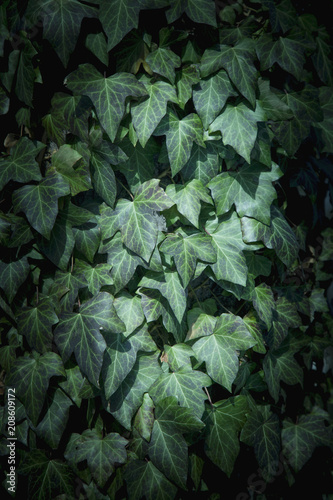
[(199, 11), (128, 397), (224, 422), (61, 23), (147, 115), (21, 166), (262, 431), (107, 94), (4, 102), (87, 239), (168, 284), (13, 275), (322, 61), (98, 46), (227, 241), (299, 440), (281, 365), (218, 350), (25, 76), (278, 235), (238, 62), (118, 18), (144, 479), (140, 165), (30, 375), (178, 355), (35, 323), (186, 385), (164, 61), (144, 419), (203, 164), (47, 477), (186, 250), (60, 245), (238, 126), (63, 161), (187, 198), (264, 303), (101, 453), (69, 283), (180, 135), (284, 317), (52, 427), (40, 202), (137, 219), (210, 95), (129, 310), (185, 79), (273, 106), (250, 189), (80, 333)]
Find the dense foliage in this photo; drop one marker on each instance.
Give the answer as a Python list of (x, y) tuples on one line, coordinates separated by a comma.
[(166, 187)]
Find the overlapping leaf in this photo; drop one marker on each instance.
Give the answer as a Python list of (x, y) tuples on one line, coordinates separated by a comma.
[(12, 275), (281, 365), (144, 479), (35, 323)]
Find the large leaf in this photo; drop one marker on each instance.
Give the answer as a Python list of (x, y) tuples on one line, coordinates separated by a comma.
[(30, 375), (250, 189), (186, 385), (118, 17), (144, 479), (238, 61), (218, 350), (187, 198), (80, 333), (21, 166), (61, 23), (180, 135), (35, 323), (40, 202), (186, 250), (262, 430), (107, 94), (224, 422), (300, 439), (238, 126), (277, 235), (210, 95), (146, 115), (137, 219)]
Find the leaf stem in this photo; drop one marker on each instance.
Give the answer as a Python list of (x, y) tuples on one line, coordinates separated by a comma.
[(218, 300), (127, 190), (208, 396)]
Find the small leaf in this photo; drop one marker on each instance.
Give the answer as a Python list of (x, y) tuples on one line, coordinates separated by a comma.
[(13, 275), (187, 198), (164, 61), (35, 323), (144, 479)]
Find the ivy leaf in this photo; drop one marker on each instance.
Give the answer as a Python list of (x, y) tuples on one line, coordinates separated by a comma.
[(87, 238), (80, 333), (203, 164), (218, 350), (238, 126), (224, 422), (63, 161), (128, 397), (21, 166), (262, 430), (144, 419), (129, 310), (273, 106), (35, 323), (144, 479), (250, 189), (210, 95), (284, 317), (238, 62), (264, 303), (40, 202), (4, 102), (281, 365), (168, 284), (186, 250), (12, 275), (98, 46), (164, 61), (136, 219), (278, 235), (199, 11), (147, 115), (62, 23), (30, 375), (299, 440), (70, 283), (101, 453), (60, 245), (123, 262), (107, 94), (47, 477), (322, 61), (25, 76), (227, 241), (186, 385), (187, 198), (178, 355), (52, 427), (180, 135), (104, 180), (185, 79), (118, 18)]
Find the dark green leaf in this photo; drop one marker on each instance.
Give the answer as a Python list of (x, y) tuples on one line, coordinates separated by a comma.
[(35, 323)]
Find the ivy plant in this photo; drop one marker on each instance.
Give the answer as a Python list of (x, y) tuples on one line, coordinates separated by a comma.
[(166, 249)]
